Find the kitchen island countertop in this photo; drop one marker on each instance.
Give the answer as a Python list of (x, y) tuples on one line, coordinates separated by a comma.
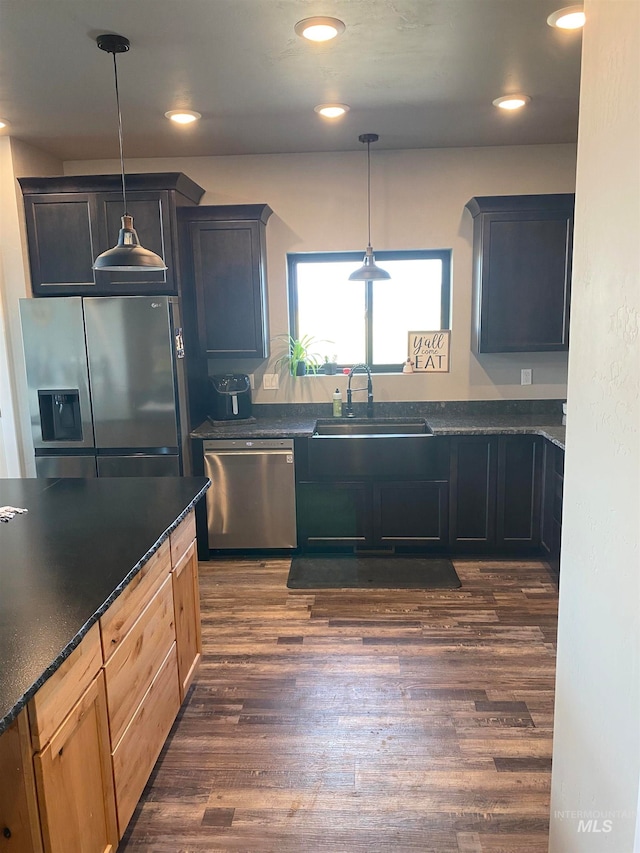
[(67, 559)]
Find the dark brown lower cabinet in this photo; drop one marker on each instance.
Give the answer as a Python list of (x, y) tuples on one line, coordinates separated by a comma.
[(473, 486), (411, 513), (488, 495), (373, 514), (551, 511), (518, 492), (334, 514), (495, 493)]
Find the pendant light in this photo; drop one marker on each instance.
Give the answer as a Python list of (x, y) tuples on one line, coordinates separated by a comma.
[(128, 255), (369, 271)]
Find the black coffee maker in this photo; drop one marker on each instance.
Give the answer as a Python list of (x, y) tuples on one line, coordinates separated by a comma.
[(229, 397)]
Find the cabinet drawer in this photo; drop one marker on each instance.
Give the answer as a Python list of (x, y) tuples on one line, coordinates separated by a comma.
[(182, 537), (126, 609), (138, 751), (59, 694), (133, 666)]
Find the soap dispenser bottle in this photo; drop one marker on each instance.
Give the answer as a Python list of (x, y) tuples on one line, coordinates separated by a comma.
[(337, 403)]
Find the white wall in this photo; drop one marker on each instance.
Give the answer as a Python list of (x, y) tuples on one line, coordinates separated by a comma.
[(16, 159), (418, 199), (596, 759)]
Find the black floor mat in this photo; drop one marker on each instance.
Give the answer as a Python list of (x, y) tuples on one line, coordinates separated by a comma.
[(350, 571)]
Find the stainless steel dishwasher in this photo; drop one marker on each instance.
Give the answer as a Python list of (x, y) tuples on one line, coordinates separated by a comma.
[(252, 499)]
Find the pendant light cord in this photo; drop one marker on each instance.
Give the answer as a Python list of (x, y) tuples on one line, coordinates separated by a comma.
[(368, 188), (124, 189)]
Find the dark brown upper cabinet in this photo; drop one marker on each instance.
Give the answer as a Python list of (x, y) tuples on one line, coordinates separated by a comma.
[(522, 249), (71, 220), (225, 265)]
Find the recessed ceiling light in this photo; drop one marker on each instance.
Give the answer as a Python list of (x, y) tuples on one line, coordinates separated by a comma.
[(569, 18), (3, 123), (511, 102), (183, 116), (319, 28), (331, 110)]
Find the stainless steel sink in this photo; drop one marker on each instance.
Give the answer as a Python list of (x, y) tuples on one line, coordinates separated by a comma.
[(365, 427)]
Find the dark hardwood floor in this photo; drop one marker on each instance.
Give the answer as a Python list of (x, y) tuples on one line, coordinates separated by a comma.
[(362, 721)]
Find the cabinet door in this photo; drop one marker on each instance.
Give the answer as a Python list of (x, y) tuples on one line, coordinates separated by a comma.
[(334, 513), (75, 782), (62, 232), (473, 493), (551, 509), (411, 513), (186, 604), (522, 272), (229, 274), (518, 494), (153, 223)]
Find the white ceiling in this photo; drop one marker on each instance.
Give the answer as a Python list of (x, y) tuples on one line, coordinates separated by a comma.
[(421, 73)]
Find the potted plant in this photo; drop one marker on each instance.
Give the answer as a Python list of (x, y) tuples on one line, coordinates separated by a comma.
[(330, 367), (298, 359)]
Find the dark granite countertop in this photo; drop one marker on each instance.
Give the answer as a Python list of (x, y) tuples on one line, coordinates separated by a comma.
[(65, 561), (459, 418)]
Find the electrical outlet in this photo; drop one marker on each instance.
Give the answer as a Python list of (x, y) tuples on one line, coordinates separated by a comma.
[(270, 382), (252, 381), (526, 376)]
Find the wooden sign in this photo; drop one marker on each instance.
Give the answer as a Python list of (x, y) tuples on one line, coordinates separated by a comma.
[(429, 351)]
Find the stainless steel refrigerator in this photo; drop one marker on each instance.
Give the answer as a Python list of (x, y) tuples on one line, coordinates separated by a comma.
[(107, 386)]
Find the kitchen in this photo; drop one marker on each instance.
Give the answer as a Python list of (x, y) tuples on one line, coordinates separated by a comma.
[(403, 179)]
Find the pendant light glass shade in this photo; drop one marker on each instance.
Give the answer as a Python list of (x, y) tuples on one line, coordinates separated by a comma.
[(128, 255), (369, 271)]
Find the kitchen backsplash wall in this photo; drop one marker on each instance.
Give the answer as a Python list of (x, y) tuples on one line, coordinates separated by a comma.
[(418, 199)]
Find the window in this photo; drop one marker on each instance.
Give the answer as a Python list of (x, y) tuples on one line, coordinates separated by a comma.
[(368, 321)]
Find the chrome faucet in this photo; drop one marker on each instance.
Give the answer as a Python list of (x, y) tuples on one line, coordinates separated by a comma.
[(368, 389)]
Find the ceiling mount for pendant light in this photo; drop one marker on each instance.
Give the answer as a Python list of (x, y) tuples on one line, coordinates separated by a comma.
[(369, 271), (128, 255)]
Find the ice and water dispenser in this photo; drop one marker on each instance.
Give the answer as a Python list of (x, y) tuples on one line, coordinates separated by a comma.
[(60, 415)]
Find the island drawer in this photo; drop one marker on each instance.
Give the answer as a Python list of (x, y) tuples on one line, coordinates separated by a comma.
[(182, 537), (141, 743), (133, 666), (126, 609), (59, 694)]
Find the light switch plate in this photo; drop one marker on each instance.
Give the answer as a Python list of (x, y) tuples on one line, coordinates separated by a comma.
[(270, 382), (526, 376)]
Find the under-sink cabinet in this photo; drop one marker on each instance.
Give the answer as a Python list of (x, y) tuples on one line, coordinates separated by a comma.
[(380, 493)]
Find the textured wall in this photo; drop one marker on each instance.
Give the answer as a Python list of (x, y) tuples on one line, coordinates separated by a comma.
[(596, 760)]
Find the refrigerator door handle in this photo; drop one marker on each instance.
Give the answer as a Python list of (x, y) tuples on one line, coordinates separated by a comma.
[(179, 343)]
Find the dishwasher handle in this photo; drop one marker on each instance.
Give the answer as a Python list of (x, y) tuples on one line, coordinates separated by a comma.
[(244, 453)]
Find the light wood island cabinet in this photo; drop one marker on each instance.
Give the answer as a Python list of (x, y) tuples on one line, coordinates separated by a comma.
[(78, 757), (186, 601)]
